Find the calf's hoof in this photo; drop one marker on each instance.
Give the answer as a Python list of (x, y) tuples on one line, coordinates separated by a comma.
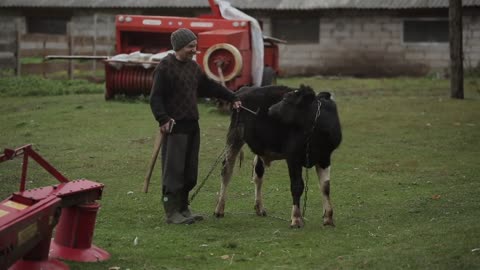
[(297, 223), (328, 222), (218, 215), (328, 218), (260, 211)]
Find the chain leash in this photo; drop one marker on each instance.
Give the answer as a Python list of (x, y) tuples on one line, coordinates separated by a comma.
[(212, 168), (307, 156), (215, 163), (306, 192)]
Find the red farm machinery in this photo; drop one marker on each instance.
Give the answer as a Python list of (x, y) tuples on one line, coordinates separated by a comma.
[(29, 216), (225, 50), (232, 51), (228, 51)]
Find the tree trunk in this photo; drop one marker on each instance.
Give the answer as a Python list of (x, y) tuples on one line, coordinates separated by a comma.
[(18, 47), (70, 49), (456, 49)]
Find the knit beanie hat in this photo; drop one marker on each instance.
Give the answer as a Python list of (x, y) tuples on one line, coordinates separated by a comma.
[(181, 38)]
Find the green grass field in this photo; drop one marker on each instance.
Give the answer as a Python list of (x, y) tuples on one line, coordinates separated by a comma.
[(405, 181)]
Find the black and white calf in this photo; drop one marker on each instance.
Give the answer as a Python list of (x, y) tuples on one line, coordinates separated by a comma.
[(295, 125)]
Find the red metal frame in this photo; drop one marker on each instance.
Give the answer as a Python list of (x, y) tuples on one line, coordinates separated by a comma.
[(271, 57), (215, 9), (28, 217), (26, 234), (154, 26), (73, 240), (27, 152)]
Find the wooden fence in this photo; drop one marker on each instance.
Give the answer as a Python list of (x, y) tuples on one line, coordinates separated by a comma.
[(34, 47)]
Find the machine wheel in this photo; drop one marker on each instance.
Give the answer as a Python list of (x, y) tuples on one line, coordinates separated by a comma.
[(108, 95), (269, 76), (229, 57)]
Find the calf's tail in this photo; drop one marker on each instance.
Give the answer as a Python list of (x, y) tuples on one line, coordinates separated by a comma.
[(240, 159)]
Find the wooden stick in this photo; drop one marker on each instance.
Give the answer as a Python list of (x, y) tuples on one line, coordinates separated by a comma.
[(75, 57), (156, 149)]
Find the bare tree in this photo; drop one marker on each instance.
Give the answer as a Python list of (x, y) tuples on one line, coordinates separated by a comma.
[(456, 49)]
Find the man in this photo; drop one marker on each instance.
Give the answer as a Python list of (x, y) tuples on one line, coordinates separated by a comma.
[(178, 81)]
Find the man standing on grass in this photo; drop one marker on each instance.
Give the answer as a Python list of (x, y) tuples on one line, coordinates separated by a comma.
[(178, 81)]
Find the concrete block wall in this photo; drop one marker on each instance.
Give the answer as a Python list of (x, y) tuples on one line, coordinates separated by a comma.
[(84, 24), (8, 40), (101, 26), (373, 46), (471, 41), (42, 44), (84, 30)]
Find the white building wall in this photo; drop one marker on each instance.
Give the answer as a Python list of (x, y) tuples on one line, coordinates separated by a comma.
[(368, 46), (471, 42)]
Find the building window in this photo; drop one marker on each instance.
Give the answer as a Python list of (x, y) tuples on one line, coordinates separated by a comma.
[(46, 25), (296, 31), (425, 31)]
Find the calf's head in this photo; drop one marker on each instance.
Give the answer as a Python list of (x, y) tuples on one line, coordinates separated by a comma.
[(294, 107)]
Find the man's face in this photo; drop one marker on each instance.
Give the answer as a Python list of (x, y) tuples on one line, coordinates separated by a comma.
[(188, 51)]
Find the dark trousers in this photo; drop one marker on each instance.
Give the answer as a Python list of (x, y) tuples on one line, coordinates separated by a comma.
[(180, 159)]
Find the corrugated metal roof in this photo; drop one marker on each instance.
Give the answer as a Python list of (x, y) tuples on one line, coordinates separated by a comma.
[(241, 4), (346, 4), (105, 3)]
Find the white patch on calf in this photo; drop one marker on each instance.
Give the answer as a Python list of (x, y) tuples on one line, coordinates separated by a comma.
[(259, 209), (297, 219), (323, 174), (324, 184)]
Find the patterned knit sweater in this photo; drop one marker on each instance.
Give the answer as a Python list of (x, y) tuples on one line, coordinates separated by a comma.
[(176, 86)]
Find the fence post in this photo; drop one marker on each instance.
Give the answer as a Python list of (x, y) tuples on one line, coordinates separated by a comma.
[(94, 45), (70, 49), (44, 63), (18, 64)]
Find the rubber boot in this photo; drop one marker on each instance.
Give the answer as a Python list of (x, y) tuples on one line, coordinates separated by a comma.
[(172, 204), (185, 209)]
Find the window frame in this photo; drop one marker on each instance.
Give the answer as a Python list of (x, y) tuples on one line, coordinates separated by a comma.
[(426, 43), (33, 19), (316, 21)]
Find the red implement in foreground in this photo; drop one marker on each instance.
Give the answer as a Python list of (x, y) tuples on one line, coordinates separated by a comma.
[(27, 219)]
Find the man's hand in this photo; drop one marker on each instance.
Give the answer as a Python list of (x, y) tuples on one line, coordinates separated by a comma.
[(237, 104), (167, 127)]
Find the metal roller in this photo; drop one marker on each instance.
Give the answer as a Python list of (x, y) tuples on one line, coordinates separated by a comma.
[(128, 80)]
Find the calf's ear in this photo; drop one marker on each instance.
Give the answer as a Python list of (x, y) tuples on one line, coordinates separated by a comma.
[(324, 95), (306, 98)]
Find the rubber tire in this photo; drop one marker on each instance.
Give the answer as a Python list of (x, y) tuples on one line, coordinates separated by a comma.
[(108, 97), (269, 76)]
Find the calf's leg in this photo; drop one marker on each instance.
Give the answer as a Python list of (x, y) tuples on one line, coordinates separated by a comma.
[(296, 188), (324, 184), (258, 171), (227, 171)]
